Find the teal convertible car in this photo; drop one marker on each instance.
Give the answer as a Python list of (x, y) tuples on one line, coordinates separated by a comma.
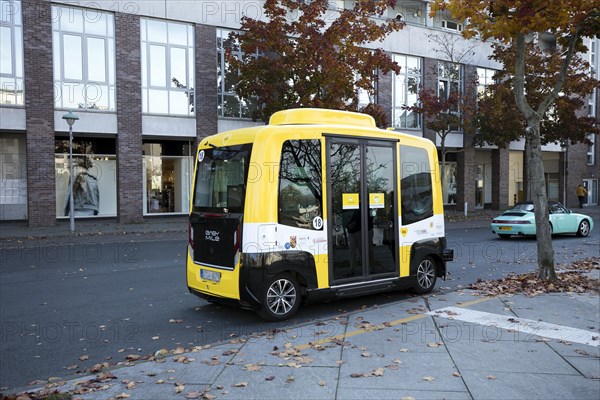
[(520, 220)]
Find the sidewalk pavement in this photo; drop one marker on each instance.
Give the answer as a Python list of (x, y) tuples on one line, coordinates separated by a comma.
[(456, 345)]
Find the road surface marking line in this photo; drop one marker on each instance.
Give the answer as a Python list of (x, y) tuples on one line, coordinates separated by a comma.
[(528, 326), (472, 302)]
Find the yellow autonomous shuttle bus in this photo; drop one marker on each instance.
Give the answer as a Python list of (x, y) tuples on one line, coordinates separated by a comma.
[(317, 205)]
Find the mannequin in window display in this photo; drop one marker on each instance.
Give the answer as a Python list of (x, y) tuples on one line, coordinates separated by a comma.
[(86, 194)]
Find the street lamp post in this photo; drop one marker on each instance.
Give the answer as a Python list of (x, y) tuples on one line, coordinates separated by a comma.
[(71, 117)]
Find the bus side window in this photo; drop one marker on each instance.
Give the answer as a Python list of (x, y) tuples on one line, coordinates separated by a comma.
[(300, 189), (416, 202)]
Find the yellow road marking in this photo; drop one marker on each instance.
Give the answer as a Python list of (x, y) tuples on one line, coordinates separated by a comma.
[(480, 300), (387, 325)]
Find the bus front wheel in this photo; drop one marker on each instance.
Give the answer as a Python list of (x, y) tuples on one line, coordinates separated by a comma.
[(426, 275), (280, 299)]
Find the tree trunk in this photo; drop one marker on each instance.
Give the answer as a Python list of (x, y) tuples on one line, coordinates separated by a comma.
[(537, 182)]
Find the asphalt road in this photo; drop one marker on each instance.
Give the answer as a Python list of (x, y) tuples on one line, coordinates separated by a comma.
[(65, 308)]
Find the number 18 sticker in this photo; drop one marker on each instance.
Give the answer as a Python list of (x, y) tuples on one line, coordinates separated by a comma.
[(317, 223)]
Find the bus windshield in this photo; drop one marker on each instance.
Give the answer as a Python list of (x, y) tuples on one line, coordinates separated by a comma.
[(221, 178)]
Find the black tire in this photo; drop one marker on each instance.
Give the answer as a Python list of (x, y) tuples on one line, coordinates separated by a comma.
[(280, 298), (426, 275), (504, 236), (584, 228)]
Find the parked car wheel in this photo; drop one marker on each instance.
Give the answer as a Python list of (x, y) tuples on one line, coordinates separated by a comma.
[(426, 275), (584, 228), (280, 298)]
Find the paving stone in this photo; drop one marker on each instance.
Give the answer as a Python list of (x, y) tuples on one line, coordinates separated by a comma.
[(529, 386), (283, 383)]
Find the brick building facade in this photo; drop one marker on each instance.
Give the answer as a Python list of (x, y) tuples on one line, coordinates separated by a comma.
[(135, 141)]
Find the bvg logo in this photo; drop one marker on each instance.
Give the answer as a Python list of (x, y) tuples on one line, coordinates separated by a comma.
[(212, 236)]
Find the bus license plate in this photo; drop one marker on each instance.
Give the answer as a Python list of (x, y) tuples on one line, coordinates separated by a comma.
[(210, 275), (505, 228)]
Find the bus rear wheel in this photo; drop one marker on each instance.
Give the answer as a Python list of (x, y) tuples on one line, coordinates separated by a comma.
[(280, 299), (426, 275)]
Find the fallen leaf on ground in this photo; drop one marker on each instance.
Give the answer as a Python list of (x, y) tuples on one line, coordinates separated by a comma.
[(429, 378), (179, 388), (84, 358), (490, 377), (378, 372), (123, 396), (457, 374), (252, 367), (322, 383), (241, 384)]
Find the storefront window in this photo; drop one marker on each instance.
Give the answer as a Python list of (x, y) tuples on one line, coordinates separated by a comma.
[(167, 177), (449, 183), (95, 179), (13, 177)]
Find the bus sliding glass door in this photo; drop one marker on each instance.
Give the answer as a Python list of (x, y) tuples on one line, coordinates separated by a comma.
[(363, 233)]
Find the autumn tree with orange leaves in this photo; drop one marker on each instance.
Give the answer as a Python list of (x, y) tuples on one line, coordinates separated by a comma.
[(312, 56), (558, 28)]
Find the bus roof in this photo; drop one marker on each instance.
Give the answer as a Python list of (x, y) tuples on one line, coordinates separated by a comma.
[(320, 116), (313, 117)]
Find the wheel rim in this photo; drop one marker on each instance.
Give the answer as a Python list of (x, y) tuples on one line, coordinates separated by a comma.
[(584, 228), (281, 297), (426, 274)]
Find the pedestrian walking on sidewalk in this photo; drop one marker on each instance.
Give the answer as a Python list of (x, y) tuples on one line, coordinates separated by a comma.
[(581, 194)]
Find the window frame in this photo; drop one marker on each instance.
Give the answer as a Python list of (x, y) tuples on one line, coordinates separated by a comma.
[(459, 26), (244, 109), (405, 76), (280, 187), (59, 53), (451, 82), (146, 66), (591, 152), (16, 77)]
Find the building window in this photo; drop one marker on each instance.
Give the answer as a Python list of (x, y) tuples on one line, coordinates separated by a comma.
[(11, 57), (95, 179), (167, 176), (84, 58), (13, 176), (450, 81), (300, 192), (406, 91), (591, 153), (452, 26), (168, 71), (485, 77), (229, 104)]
